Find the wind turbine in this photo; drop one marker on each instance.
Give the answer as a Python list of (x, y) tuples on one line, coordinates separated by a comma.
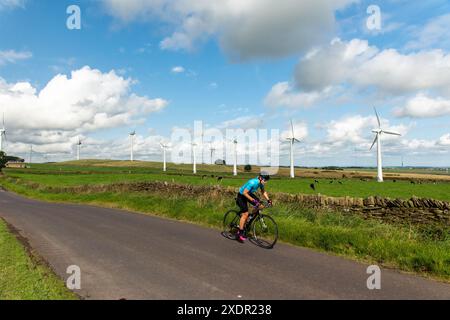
[(235, 142), (78, 148), (212, 149), (203, 150), (132, 135), (194, 169), (164, 147), (292, 140), (2, 133), (377, 140), (31, 154)]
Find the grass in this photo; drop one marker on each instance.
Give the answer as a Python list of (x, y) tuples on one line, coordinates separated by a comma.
[(23, 277), (403, 247), (73, 175)]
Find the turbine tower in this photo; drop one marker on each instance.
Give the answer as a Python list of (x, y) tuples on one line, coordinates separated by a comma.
[(132, 135), (78, 148), (212, 149), (379, 132), (203, 151), (235, 143), (31, 154), (2, 133), (194, 169), (292, 141), (164, 147)]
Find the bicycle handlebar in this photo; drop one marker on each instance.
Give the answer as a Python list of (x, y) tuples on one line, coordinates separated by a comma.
[(263, 205)]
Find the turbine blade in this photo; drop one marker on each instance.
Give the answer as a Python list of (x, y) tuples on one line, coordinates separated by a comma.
[(393, 133), (296, 140), (378, 118), (292, 127), (374, 141)]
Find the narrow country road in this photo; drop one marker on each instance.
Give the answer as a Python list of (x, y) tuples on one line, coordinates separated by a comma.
[(134, 256)]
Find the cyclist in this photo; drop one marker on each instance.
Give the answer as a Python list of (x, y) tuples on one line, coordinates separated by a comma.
[(247, 194)]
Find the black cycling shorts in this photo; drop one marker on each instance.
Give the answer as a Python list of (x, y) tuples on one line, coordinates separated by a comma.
[(242, 201)]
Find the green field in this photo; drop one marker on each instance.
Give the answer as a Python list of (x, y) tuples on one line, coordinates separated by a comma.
[(23, 277), (73, 175), (421, 249), (424, 250)]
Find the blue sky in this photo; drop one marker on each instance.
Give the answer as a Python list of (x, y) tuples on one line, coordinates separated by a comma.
[(244, 68)]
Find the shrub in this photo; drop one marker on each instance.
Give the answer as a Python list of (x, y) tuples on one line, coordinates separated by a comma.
[(3, 159)]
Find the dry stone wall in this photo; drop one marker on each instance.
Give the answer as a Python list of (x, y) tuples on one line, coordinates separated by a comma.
[(414, 210)]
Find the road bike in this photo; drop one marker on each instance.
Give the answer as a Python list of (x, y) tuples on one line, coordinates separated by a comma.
[(261, 229)]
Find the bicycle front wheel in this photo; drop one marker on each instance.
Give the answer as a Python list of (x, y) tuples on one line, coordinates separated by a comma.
[(231, 224), (265, 231)]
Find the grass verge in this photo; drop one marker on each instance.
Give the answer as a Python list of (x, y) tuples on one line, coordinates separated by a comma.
[(24, 276), (407, 248)]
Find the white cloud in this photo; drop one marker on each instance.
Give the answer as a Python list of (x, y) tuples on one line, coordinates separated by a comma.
[(246, 29), (300, 131), (419, 146), (359, 67), (178, 69), (145, 148), (66, 107), (434, 33), (245, 122), (422, 106), (352, 136), (357, 130), (350, 129), (7, 4), (12, 56), (445, 140), (356, 63), (283, 94)]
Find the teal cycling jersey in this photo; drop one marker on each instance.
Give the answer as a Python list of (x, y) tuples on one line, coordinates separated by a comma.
[(252, 186)]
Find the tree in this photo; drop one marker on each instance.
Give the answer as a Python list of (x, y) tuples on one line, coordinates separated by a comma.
[(248, 168), (3, 159)]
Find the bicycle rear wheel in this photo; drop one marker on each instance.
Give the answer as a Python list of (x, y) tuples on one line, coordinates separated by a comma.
[(231, 224), (265, 231)]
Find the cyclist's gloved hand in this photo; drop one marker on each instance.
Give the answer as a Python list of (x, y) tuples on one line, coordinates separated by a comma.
[(270, 202), (256, 203)]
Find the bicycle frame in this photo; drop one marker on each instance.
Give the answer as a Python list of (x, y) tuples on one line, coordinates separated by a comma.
[(255, 213), (261, 227)]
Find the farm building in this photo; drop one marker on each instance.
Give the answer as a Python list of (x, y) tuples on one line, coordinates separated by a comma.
[(15, 164), (220, 162)]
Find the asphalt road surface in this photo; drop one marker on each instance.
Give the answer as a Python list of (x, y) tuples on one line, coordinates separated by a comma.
[(123, 255)]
